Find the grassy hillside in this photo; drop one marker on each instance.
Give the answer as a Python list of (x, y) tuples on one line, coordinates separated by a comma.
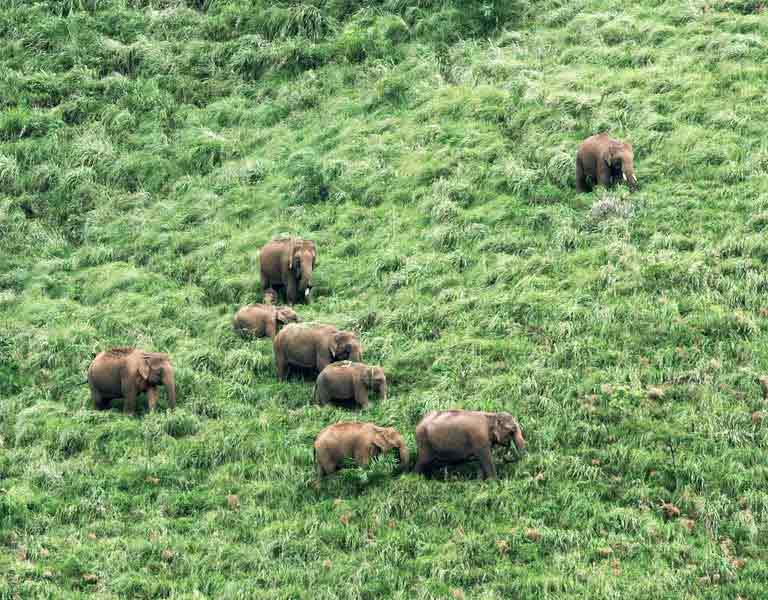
[(148, 148)]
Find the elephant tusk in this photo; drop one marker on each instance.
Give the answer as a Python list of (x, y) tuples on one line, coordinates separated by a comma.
[(624, 175), (306, 292)]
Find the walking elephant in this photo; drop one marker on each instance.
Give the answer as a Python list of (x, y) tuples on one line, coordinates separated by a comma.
[(288, 263), (313, 346), (453, 436), (349, 380), (127, 372), (262, 320), (605, 161), (359, 441)]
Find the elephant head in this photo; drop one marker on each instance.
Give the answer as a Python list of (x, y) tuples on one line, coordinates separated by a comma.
[(156, 369), (346, 346), (303, 257), (386, 438), (286, 315), (374, 378), (620, 159), (270, 296), (503, 429)]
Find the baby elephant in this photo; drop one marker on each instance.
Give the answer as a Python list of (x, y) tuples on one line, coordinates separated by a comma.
[(453, 436), (349, 380), (263, 320), (359, 441)]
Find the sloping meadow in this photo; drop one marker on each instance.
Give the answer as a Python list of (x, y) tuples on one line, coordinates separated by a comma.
[(149, 148)]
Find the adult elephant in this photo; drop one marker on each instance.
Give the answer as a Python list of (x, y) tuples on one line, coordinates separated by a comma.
[(605, 161), (262, 320), (358, 441), (289, 263), (453, 436), (349, 380), (313, 346), (126, 373)]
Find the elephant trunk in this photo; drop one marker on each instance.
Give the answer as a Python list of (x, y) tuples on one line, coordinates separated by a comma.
[(517, 436), (356, 355), (383, 391), (170, 386), (628, 172), (305, 281)]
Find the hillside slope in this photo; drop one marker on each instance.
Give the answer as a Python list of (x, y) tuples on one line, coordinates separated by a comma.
[(148, 148)]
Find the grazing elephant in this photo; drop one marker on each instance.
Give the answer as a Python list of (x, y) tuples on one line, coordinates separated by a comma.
[(263, 320), (359, 441), (452, 436), (127, 372), (313, 346), (289, 262), (605, 161), (349, 380)]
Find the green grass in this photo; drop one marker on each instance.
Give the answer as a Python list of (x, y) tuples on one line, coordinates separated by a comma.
[(148, 148)]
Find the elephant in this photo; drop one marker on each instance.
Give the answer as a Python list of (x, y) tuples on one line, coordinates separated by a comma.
[(270, 296), (125, 373), (359, 441), (604, 160), (288, 263), (349, 380), (453, 436), (263, 320), (313, 346)]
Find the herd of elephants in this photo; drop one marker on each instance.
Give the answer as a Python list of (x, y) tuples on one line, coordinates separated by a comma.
[(442, 437)]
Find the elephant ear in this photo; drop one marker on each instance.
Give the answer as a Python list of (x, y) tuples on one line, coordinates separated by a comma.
[(144, 368), (496, 430), (382, 440), (366, 377)]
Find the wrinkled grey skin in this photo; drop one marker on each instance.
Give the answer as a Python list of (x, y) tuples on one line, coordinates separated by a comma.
[(288, 263), (127, 372), (262, 320), (313, 347), (350, 381), (605, 161), (359, 441), (454, 436)]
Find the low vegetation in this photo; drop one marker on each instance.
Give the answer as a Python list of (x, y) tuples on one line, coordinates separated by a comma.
[(148, 148)]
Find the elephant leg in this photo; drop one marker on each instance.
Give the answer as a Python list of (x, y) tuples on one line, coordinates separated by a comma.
[(282, 366), (486, 462), (603, 174), (362, 455), (98, 402), (152, 399), (323, 397), (423, 464), (291, 291), (129, 402), (581, 178), (361, 396), (322, 362)]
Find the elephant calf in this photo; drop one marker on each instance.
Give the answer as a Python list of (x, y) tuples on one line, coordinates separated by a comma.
[(350, 381), (313, 346), (359, 441), (453, 436), (127, 372), (263, 320), (606, 161)]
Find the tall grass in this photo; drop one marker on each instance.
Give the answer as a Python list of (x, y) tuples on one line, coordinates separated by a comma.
[(149, 148)]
